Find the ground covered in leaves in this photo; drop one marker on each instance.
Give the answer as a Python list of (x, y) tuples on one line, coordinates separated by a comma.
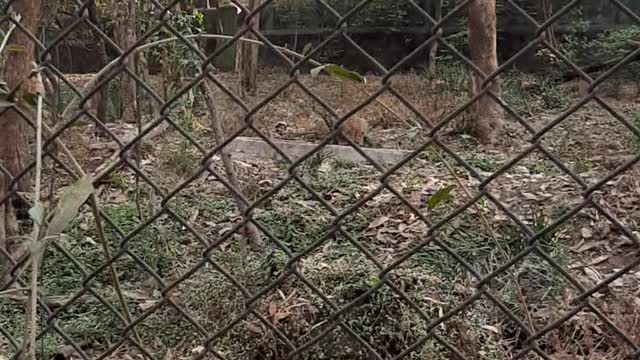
[(211, 283)]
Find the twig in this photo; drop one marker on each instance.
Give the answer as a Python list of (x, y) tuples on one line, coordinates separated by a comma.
[(11, 291), (12, 27), (29, 342), (251, 232), (79, 172)]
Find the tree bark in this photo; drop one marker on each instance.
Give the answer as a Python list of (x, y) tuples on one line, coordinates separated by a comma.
[(433, 49), (247, 56), (550, 33), (125, 36), (101, 98), (486, 114), (13, 144)]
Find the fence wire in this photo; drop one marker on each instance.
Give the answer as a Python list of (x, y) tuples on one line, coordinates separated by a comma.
[(132, 323)]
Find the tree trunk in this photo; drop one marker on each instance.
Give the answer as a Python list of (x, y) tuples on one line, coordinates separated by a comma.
[(247, 56), (101, 98), (13, 144), (486, 114), (549, 34), (125, 36), (433, 48)]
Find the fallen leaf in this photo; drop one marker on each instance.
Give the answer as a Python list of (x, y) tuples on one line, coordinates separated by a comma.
[(325, 167), (88, 240), (168, 355), (194, 216), (378, 222), (592, 274), (225, 230), (273, 309), (70, 202), (282, 315), (587, 246), (599, 260), (491, 328), (586, 233), (197, 350), (147, 305), (253, 327)]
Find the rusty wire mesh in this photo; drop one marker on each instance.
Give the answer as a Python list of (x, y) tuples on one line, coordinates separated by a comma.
[(131, 323)]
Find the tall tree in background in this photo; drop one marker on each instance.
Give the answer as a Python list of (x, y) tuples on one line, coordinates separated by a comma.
[(436, 11), (546, 10), (124, 30), (486, 114), (13, 142), (247, 55), (101, 98)]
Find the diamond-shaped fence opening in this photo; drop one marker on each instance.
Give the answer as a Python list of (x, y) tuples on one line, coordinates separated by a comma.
[(307, 179)]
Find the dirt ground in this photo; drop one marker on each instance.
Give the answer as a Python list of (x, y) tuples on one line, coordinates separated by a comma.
[(594, 244)]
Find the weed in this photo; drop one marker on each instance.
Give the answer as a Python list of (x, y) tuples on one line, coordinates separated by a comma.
[(542, 167), (486, 254), (340, 164), (451, 78), (582, 166), (296, 229), (529, 94), (218, 210), (183, 160), (119, 180), (486, 164)]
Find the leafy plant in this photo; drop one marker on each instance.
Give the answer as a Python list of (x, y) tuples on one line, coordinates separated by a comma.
[(575, 40), (440, 196), (530, 93), (177, 59)]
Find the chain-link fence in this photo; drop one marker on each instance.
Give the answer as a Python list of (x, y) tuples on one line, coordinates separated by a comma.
[(429, 253)]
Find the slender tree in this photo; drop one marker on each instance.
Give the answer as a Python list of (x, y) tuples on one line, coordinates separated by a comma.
[(124, 29), (101, 98), (486, 114), (247, 55), (13, 142), (546, 10), (436, 11)]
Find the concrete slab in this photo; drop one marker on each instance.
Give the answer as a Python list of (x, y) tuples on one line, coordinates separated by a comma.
[(245, 148)]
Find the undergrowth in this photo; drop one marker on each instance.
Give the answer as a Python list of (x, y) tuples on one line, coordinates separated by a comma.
[(340, 273)]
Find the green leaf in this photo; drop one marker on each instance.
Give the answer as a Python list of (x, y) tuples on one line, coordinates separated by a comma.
[(440, 196), (413, 132), (373, 280), (306, 49), (339, 72), (31, 99), (70, 202), (37, 213)]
